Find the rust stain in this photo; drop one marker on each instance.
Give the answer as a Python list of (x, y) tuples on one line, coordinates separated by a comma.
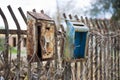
[(40, 39), (47, 37), (30, 41)]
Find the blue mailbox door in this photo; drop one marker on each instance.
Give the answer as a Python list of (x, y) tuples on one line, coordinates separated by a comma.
[(80, 42)]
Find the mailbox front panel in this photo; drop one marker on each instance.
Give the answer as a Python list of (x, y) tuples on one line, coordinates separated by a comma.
[(31, 38), (80, 42), (47, 39)]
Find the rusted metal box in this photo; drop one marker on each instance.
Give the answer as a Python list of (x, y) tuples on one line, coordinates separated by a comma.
[(76, 41), (40, 36)]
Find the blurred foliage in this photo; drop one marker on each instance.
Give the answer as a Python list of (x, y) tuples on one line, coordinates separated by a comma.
[(1, 44), (106, 6), (116, 8)]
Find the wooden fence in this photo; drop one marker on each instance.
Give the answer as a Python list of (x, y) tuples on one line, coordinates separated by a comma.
[(103, 53)]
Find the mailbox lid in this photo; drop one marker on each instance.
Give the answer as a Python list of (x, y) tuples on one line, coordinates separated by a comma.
[(39, 16), (80, 27)]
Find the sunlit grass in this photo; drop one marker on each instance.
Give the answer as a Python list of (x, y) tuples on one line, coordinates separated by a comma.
[(13, 50)]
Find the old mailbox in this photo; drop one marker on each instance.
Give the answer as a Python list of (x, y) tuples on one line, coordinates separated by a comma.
[(76, 39), (40, 36)]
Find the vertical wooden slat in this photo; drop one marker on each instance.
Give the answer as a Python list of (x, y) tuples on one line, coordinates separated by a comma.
[(113, 59), (92, 51), (88, 65), (114, 48), (81, 70), (104, 53), (107, 55), (117, 59), (83, 62), (83, 66), (95, 54), (75, 67), (98, 52), (62, 49), (29, 71), (76, 17), (105, 61), (77, 64), (115, 64), (119, 63), (77, 70), (118, 53), (73, 71), (82, 20), (95, 68), (56, 51), (84, 70), (118, 46), (112, 52), (67, 75), (34, 10)]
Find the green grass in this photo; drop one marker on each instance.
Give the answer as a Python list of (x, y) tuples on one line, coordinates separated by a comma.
[(1, 44), (14, 50)]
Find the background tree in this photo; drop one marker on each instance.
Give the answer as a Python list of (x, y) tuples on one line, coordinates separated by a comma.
[(116, 9), (64, 6), (106, 6)]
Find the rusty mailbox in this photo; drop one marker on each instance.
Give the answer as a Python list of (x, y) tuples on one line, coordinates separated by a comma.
[(76, 39), (40, 36)]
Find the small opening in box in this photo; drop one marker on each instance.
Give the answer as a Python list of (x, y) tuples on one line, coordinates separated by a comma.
[(80, 42), (78, 24), (47, 28), (14, 41), (39, 46)]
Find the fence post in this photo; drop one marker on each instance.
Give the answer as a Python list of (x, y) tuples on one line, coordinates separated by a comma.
[(18, 45), (5, 55)]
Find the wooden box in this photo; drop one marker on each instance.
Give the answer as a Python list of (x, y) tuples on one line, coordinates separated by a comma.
[(40, 37), (76, 41)]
